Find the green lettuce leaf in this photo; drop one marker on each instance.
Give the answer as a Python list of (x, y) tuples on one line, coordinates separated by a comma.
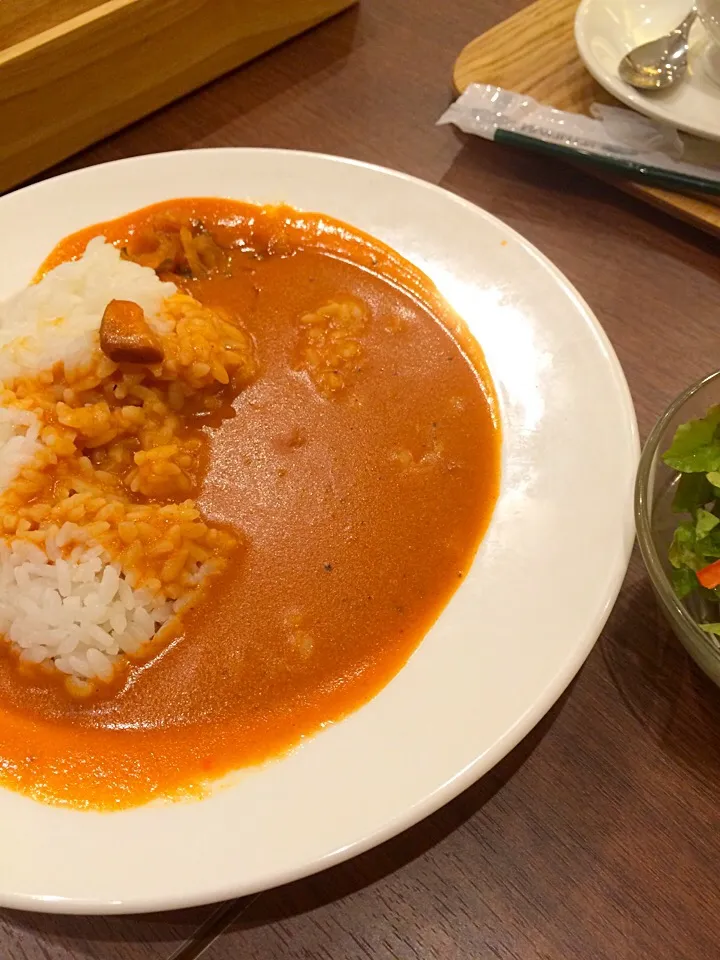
[(705, 522), (695, 447), (693, 490), (684, 582), (714, 479), (682, 551), (710, 628), (708, 549)]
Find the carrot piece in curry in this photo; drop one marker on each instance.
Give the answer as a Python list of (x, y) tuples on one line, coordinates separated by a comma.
[(126, 336)]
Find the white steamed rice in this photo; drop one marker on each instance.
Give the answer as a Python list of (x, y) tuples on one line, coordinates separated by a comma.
[(19, 442), (58, 318), (79, 612)]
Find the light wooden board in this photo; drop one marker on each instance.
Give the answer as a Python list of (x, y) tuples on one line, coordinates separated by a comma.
[(96, 66), (22, 19), (533, 52)]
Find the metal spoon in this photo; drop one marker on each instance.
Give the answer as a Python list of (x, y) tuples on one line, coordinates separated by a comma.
[(660, 63)]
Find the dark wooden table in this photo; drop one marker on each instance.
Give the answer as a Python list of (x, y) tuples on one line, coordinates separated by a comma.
[(599, 837)]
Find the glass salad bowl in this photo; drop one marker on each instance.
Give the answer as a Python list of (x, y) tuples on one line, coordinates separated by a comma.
[(660, 493)]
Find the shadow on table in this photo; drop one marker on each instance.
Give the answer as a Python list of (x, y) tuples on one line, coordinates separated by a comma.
[(667, 694), (369, 868), (71, 937), (576, 190)]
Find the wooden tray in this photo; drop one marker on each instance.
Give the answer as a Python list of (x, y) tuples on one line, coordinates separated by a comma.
[(73, 71), (534, 53)]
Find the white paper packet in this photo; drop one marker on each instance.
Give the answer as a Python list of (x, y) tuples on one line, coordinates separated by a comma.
[(620, 140)]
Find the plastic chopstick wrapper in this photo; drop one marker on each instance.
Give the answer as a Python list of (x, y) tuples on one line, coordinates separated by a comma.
[(619, 140)]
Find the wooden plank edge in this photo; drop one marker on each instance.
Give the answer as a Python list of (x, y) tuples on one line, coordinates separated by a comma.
[(51, 34), (56, 69)]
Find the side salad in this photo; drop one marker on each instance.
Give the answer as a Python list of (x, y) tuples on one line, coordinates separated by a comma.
[(695, 549)]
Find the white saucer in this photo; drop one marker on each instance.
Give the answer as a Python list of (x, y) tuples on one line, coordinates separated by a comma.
[(605, 30)]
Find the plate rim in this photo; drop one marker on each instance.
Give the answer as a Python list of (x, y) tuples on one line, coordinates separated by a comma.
[(544, 701)]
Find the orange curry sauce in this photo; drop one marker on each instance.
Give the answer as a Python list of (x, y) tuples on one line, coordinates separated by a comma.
[(361, 515)]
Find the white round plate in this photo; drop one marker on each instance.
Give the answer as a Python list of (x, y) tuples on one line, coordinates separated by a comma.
[(605, 30), (511, 638)]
